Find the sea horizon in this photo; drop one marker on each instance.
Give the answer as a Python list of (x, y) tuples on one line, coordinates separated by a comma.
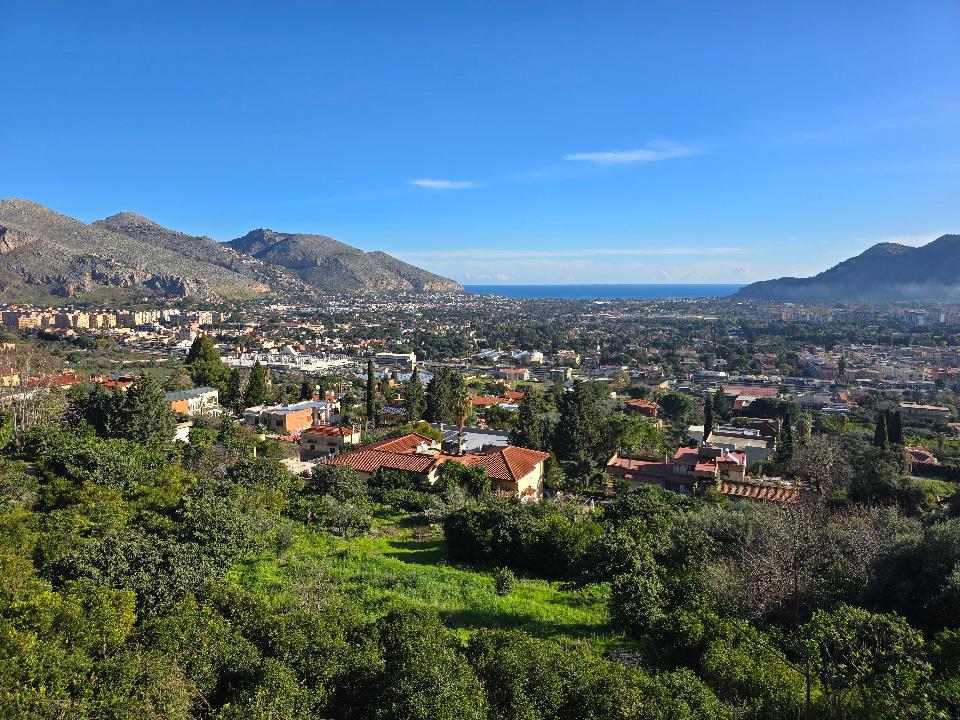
[(606, 291)]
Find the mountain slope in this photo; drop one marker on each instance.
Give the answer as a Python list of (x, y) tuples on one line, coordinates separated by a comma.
[(45, 253), (335, 266), (886, 272), (206, 250)]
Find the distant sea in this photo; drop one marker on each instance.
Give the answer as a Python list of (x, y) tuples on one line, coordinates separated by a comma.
[(604, 292)]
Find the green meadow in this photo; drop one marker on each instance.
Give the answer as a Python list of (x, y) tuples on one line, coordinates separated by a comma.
[(402, 561)]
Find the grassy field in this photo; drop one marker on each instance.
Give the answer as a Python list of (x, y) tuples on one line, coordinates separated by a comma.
[(403, 562)]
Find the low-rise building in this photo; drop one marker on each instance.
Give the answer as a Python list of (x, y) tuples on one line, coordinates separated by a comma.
[(514, 470), (324, 440), (938, 413), (194, 401), (288, 419)]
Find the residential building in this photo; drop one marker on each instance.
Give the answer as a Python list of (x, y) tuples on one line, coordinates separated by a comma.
[(289, 419), (937, 413), (194, 401), (322, 440), (514, 470)]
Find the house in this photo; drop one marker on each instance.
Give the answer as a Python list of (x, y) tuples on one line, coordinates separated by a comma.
[(194, 401), (754, 446), (323, 440), (288, 419), (937, 413), (646, 408), (512, 374), (475, 439), (514, 470), (692, 469)]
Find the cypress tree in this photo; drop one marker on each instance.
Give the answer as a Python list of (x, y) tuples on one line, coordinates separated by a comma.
[(785, 441), (234, 393), (370, 390), (881, 438), (439, 406), (256, 390), (306, 389), (414, 397), (707, 418), (895, 427)]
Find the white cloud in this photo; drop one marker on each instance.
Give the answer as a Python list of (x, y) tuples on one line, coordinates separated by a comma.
[(651, 153), (443, 184)]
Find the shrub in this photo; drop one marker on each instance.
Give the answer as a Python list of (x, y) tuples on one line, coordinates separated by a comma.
[(504, 581)]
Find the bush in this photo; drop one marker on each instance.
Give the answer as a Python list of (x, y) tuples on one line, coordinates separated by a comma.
[(504, 581)]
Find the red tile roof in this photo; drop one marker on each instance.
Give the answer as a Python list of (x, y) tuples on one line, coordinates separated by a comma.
[(750, 391), (767, 493), (507, 464)]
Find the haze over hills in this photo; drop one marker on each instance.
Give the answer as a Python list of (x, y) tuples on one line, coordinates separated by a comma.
[(886, 272), (44, 253)]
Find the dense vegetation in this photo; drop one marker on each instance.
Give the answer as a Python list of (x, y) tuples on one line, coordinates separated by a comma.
[(201, 580)]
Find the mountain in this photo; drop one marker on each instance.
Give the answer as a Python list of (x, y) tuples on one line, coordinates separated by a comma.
[(330, 264), (886, 272), (44, 253), (204, 249)]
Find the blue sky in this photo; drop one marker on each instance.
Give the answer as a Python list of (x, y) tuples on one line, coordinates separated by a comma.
[(500, 142)]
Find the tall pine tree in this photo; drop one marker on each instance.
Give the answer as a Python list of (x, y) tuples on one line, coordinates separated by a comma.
[(234, 393), (530, 429), (414, 397), (707, 418), (439, 396), (895, 427), (145, 415), (881, 438), (370, 391), (785, 439), (256, 390)]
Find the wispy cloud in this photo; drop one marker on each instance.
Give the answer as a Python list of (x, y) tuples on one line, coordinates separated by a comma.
[(651, 153), (435, 184), (494, 254)]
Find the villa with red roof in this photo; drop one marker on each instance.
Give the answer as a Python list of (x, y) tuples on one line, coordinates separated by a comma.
[(514, 470)]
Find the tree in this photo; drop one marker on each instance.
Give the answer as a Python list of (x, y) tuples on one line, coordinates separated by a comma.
[(577, 438), (721, 408), (531, 429), (442, 393), (868, 665), (707, 418), (371, 410), (234, 393), (306, 389), (202, 350), (785, 438), (895, 427), (419, 673), (205, 366), (144, 415), (472, 478), (676, 405), (413, 397), (881, 438), (804, 425), (256, 391)]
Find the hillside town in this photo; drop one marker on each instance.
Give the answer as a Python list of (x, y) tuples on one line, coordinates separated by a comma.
[(709, 388)]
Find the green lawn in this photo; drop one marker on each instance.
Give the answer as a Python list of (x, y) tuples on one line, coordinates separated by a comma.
[(400, 561)]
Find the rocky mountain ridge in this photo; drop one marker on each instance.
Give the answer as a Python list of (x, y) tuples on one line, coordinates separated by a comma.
[(45, 253)]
